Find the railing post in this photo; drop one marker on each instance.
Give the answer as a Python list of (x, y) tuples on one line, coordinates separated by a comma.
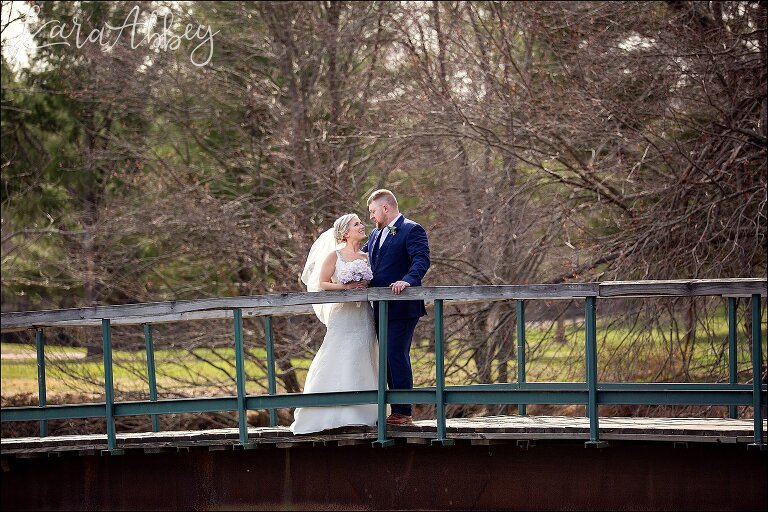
[(242, 414), (151, 375), (591, 342), (382, 440), (520, 311), (732, 357), (440, 377), (271, 384), (109, 390), (757, 359), (41, 402)]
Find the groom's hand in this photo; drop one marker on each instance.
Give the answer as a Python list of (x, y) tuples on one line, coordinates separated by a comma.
[(399, 286)]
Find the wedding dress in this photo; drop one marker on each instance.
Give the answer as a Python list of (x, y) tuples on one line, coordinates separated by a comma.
[(347, 361)]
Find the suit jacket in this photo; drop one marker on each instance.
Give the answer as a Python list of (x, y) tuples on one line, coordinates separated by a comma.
[(402, 257)]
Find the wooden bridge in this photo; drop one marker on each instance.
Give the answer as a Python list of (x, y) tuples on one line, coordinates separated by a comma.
[(652, 463)]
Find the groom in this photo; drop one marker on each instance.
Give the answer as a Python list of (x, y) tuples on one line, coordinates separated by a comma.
[(398, 251)]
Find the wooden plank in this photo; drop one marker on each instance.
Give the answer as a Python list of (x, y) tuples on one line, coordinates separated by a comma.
[(33, 318), (486, 431), (193, 316), (670, 437), (731, 288), (351, 442), (300, 302), (494, 427), (498, 292), (741, 287), (159, 449), (269, 304), (289, 444)]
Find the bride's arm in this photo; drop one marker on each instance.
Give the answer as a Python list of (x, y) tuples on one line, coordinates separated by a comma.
[(326, 272)]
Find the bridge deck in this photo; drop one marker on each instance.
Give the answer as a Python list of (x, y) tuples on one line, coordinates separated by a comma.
[(484, 430)]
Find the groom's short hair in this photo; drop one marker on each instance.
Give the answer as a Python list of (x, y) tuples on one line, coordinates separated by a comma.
[(383, 195)]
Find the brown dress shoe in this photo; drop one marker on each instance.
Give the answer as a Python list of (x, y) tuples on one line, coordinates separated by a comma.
[(399, 419)]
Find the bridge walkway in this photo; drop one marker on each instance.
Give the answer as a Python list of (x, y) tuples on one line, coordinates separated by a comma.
[(475, 431)]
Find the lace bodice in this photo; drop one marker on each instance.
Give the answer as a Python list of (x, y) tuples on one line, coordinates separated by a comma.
[(341, 264)]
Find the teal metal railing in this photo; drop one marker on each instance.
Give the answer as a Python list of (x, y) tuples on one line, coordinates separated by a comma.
[(591, 393), (40, 345), (151, 373)]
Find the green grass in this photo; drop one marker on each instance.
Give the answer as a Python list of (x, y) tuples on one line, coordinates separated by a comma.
[(64, 365)]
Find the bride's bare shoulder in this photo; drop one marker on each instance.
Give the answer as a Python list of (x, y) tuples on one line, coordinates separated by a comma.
[(331, 257)]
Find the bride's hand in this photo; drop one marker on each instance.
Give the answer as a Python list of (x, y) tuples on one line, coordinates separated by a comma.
[(356, 285)]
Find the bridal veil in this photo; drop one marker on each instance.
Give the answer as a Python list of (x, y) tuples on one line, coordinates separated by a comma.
[(323, 246)]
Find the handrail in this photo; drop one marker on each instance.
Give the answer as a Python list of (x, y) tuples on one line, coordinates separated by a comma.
[(590, 393), (298, 303)]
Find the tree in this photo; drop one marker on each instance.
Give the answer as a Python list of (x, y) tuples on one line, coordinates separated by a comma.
[(536, 142)]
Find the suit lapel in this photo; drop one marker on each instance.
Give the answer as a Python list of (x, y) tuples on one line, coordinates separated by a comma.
[(388, 240), (375, 249)]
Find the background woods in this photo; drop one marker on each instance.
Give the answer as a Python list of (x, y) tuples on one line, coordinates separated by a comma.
[(536, 142)]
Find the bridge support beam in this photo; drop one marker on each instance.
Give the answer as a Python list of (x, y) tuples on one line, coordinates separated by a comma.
[(381, 427), (590, 323), (440, 377), (548, 476), (271, 382), (242, 412), (520, 313), (40, 345), (757, 372), (109, 390), (151, 372), (733, 363)]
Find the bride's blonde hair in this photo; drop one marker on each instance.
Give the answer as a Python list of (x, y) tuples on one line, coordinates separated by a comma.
[(341, 226)]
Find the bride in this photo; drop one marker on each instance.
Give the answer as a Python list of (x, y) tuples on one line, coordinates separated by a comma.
[(347, 359)]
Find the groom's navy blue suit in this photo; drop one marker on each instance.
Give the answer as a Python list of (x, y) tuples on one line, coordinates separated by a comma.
[(404, 256)]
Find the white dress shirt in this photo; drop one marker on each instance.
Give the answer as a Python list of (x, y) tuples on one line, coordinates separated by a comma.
[(385, 233)]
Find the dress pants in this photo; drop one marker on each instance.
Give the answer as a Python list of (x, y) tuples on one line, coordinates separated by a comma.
[(399, 373)]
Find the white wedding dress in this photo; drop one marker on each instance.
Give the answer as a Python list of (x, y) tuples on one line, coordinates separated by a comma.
[(347, 361)]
